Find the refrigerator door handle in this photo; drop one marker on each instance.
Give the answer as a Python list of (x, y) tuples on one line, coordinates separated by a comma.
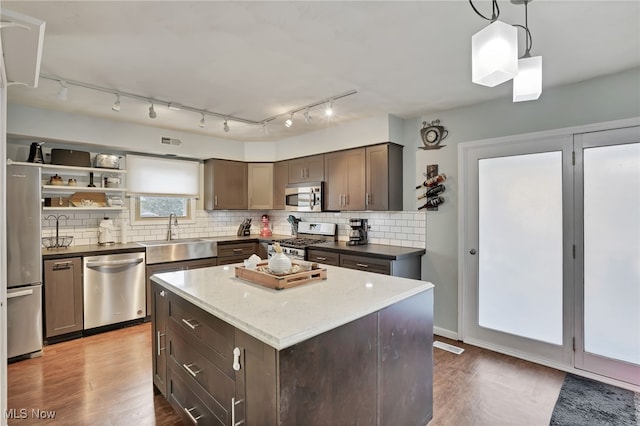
[(19, 293)]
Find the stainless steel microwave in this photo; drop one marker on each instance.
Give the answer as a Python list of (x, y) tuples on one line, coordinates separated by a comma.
[(305, 197)]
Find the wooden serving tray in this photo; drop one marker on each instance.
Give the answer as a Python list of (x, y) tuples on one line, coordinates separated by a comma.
[(280, 282)]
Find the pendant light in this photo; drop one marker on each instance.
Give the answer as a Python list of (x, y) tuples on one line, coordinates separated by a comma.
[(527, 85), (494, 51)]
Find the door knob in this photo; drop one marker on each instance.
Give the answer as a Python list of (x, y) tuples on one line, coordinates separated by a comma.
[(472, 251)]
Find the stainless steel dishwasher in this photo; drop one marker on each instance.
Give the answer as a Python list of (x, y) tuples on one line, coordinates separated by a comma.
[(113, 288)]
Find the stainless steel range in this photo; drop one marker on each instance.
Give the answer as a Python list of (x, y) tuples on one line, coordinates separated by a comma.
[(308, 233)]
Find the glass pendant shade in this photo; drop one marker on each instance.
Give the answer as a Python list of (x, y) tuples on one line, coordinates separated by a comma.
[(494, 54), (527, 85)]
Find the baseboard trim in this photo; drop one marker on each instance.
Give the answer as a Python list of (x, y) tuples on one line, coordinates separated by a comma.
[(453, 335)]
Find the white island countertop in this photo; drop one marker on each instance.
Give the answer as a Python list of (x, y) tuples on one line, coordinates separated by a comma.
[(282, 318)]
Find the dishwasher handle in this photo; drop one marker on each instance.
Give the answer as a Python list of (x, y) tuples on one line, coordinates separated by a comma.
[(115, 262)]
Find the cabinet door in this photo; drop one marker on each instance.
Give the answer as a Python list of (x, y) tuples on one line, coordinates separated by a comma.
[(355, 170), (335, 186), (280, 180), (345, 180), (225, 185), (63, 296), (260, 186), (297, 169), (159, 316), (384, 177), (315, 168)]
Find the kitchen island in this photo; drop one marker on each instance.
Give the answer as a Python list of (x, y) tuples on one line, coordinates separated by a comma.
[(355, 348)]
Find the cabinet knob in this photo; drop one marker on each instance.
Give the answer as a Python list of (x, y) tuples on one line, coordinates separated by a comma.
[(472, 251)]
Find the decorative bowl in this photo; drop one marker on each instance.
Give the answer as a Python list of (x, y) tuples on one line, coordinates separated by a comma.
[(60, 241)]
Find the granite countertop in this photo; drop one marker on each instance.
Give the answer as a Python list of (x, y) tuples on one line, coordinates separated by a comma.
[(371, 250), (281, 318)]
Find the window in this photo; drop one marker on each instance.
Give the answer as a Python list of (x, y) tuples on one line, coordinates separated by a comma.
[(153, 209)]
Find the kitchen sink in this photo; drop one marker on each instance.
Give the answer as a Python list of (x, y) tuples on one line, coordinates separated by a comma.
[(179, 250)]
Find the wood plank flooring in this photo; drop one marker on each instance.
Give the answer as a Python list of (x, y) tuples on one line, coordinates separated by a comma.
[(106, 379)]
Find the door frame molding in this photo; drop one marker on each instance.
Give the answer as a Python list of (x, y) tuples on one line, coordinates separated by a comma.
[(464, 149)]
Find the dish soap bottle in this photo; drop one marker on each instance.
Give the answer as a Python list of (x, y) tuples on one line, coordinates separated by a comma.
[(279, 263)]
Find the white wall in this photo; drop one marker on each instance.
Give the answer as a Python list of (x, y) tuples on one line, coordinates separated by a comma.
[(598, 100), (43, 124)]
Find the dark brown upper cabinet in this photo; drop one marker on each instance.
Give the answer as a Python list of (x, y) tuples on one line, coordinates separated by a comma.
[(225, 185), (306, 169)]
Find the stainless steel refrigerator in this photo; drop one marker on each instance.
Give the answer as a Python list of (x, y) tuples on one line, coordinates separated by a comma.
[(24, 261)]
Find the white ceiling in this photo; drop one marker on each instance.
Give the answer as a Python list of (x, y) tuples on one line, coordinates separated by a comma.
[(259, 59)]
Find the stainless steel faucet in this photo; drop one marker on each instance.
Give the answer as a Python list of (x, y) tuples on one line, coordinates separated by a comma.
[(171, 233)]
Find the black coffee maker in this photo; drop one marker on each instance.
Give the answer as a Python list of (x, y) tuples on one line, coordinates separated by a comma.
[(358, 234), (35, 153)]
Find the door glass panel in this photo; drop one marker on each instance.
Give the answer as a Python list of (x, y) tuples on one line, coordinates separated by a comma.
[(520, 245), (612, 251)]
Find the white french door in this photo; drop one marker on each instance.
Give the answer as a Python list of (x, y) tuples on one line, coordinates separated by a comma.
[(608, 253), (518, 211), (551, 250)]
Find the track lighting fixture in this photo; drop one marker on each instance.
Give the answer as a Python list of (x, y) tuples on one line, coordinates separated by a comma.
[(289, 121), (176, 106), (328, 111), (62, 94), (265, 128), (116, 104)]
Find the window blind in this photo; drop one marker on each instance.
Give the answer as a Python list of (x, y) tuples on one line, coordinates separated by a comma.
[(162, 176)]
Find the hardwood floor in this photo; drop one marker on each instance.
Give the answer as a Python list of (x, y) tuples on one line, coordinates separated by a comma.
[(105, 379)]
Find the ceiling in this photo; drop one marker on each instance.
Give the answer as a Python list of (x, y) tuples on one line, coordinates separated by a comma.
[(259, 59)]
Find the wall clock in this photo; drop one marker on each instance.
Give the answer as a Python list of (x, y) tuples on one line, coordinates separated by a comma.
[(432, 134)]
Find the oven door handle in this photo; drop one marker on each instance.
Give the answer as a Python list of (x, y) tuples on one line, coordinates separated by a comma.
[(115, 263)]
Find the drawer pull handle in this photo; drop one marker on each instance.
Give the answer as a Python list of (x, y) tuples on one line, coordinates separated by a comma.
[(188, 322), (193, 419), (188, 368), (362, 265), (61, 265), (237, 250), (233, 411), (321, 258), (236, 359), (158, 343)]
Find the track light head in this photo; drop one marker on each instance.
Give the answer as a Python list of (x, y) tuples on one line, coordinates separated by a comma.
[(226, 126), (307, 117), (152, 112), (62, 94), (116, 104), (289, 121), (328, 111), (265, 129), (202, 120)]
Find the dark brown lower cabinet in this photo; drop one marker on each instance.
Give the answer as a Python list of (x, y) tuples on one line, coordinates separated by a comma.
[(407, 267), (62, 296), (376, 370)]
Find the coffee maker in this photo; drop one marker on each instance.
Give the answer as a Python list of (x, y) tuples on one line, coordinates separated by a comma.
[(358, 234)]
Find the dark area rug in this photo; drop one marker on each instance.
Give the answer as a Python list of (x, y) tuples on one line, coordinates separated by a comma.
[(588, 402)]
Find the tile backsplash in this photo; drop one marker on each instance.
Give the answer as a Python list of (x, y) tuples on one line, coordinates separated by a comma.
[(405, 228)]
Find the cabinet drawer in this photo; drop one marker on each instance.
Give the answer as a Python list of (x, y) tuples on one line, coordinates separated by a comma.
[(197, 368), (361, 263), (241, 249), (188, 405), (232, 259), (209, 331), (326, 257)]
